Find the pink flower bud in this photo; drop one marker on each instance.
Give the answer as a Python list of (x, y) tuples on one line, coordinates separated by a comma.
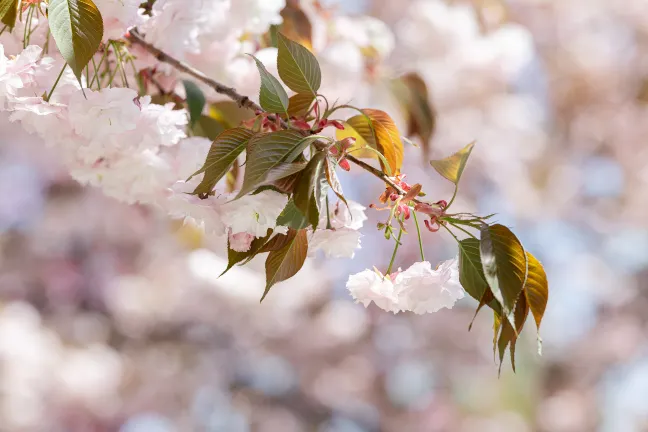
[(347, 143), (337, 124), (344, 164)]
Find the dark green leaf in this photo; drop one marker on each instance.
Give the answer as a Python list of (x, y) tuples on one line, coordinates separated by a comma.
[(77, 28), (453, 166), (286, 262), (298, 67), (504, 262), (308, 192), (269, 157), (222, 154), (272, 96), (9, 12), (195, 101), (292, 217)]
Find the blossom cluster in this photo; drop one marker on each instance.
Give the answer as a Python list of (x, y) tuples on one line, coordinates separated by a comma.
[(419, 289)]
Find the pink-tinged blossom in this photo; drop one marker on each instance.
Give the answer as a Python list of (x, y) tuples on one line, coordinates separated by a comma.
[(254, 214), (240, 242), (335, 243), (372, 286), (119, 15), (103, 113), (424, 290)]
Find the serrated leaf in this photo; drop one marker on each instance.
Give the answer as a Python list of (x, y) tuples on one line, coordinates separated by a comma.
[(295, 25), (504, 262), (272, 96), (299, 104), (292, 217), (308, 190), (286, 262), (268, 155), (380, 133), (333, 180), (195, 101), (412, 93), (9, 12), (508, 336), (234, 257), (77, 28), (453, 166), (222, 154), (298, 67), (536, 291)]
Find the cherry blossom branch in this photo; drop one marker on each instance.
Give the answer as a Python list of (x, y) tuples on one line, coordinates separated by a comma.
[(243, 101)]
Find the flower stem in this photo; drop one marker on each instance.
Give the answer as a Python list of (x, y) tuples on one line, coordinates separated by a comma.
[(391, 262), (451, 233), (454, 195), (56, 82), (420, 240)]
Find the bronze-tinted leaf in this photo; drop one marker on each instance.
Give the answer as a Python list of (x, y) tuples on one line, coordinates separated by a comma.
[(508, 336), (284, 263), (299, 104), (295, 25), (9, 12), (380, 132), (412, 93), (234, 257), (536, 290), (504, 262), (453, 166)]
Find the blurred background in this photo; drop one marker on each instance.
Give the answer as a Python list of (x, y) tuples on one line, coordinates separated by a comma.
[(113, 318)]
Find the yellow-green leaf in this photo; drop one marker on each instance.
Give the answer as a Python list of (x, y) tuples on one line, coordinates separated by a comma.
[(504, 262), (77, 28), (298, 67), (453, 166), (285, 263), (380, 132), (272, 96), (536, 290), (222, 154), (9, 12)]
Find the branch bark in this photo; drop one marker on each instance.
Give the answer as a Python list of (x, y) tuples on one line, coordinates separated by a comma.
[(136, 38)]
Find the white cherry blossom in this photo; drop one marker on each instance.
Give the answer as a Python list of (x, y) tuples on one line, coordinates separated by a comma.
[(372, 286)]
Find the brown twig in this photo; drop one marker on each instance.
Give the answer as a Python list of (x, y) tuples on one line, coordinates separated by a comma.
[(243, 101)]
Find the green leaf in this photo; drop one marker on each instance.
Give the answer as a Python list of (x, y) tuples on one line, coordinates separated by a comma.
[(208, 127), (472, 278), (286, 262), (536, 290), (504, 262), (453, 166), (234, 257), (222, 154), (380, 133), (308, 192), (333, 180), (195, 101), (272, 96), (77, 28), (9, 12), (298, 67), (299, 104), (267, 156), (292, 217)]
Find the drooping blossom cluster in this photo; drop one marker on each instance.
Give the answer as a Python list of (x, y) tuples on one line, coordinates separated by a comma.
[(419, 289)]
